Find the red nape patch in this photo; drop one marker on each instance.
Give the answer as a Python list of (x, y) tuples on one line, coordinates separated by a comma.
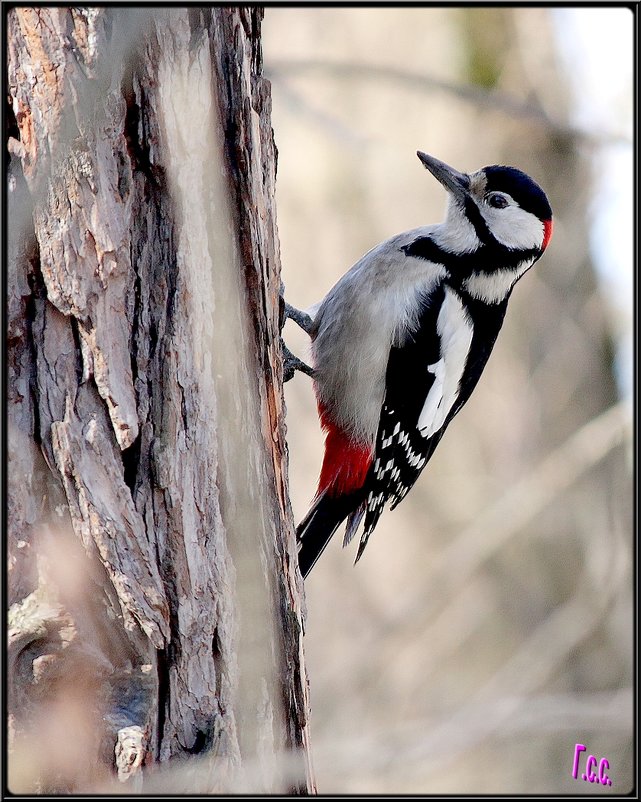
[(345, 464), (548, 225)]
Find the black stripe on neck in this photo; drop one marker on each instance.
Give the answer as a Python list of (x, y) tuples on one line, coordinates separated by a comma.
[(488, 258)]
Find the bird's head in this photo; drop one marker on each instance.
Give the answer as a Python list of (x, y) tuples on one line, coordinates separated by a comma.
[(496, 204)]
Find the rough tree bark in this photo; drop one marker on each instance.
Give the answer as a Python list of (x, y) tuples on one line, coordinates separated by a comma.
[(155, 603)]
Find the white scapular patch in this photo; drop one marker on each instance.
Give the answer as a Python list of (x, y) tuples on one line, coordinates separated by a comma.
[(494, 287), (455, 330), (434, 397)]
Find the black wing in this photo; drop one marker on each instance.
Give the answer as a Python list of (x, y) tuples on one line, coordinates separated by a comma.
[(401, 451)]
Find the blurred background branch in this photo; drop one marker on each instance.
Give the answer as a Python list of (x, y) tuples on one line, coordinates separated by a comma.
[(504, 519), (282, 70)]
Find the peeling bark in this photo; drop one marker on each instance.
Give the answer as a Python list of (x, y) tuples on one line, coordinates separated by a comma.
[(151, 538)]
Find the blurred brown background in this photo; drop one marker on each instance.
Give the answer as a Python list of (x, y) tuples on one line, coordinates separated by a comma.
[(488, 627)]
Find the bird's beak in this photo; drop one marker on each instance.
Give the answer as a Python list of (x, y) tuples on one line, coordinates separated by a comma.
[(456, 183)]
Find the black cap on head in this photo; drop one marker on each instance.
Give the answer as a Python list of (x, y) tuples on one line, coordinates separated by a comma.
[(526, 192)]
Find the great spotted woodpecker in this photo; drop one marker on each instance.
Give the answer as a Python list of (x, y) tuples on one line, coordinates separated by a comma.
[(400, 342)]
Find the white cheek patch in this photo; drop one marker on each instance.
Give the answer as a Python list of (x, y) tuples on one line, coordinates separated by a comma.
[(455, 331), (514, 227)]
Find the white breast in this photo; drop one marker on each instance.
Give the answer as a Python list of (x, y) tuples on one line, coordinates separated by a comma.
[(494, 287), (455, 331)]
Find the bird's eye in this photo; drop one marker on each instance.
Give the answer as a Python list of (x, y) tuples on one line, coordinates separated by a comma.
[(497, 200)]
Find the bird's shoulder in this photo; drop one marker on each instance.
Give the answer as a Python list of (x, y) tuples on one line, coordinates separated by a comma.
[(395, 246), (387, 267)]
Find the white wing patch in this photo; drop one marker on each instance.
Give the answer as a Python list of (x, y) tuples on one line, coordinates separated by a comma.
[(455, 330)]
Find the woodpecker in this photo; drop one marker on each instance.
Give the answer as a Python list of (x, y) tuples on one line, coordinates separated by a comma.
[(399, 343)]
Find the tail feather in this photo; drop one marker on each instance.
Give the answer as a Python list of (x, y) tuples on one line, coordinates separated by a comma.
[(353, 522), (316, 529)]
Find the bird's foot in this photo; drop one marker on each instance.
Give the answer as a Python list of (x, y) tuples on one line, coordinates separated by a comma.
[(301, 319), (292, 363)]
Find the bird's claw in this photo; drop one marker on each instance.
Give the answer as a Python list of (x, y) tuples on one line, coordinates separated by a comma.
[(292, 363)]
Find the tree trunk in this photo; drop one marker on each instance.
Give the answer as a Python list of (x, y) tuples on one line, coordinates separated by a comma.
[(155, 602)]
